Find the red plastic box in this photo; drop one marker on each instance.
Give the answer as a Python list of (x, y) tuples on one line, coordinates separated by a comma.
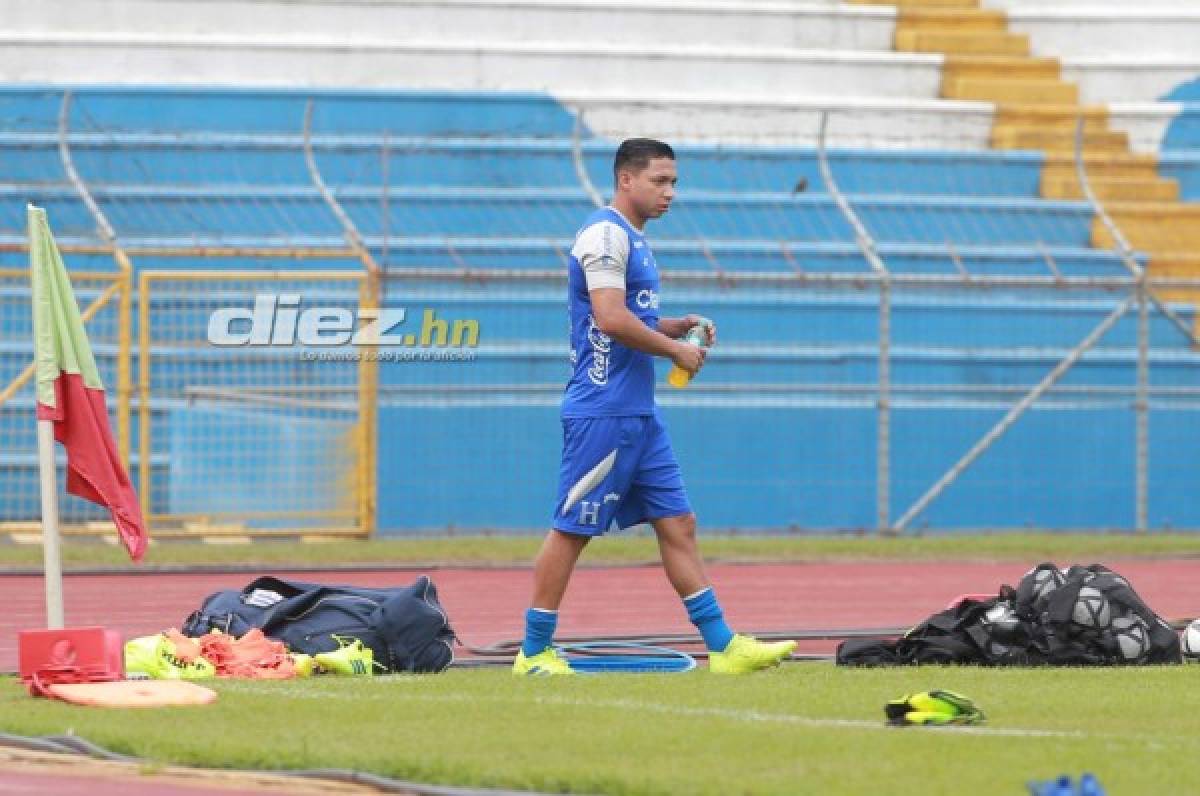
[(70, 655)]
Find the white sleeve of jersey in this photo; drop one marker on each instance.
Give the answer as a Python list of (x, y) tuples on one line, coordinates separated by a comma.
[(602, 251)]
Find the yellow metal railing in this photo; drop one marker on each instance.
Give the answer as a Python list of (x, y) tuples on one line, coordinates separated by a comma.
[(252, 384), (118, 286), (159, 335)]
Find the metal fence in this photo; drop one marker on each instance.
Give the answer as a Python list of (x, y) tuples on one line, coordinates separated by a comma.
[(904, 347), (221, 444), (1108, 318)]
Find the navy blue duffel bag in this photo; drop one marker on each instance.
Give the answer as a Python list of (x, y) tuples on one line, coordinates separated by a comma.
[(405, 627)]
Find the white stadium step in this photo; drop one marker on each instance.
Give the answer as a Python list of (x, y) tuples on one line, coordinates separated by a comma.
[(1130, 31), (332, 62), (810, 25), (788, 121), (1087, 6), (1130, 78), (853, 122), (1118, 51), (1145, 122)]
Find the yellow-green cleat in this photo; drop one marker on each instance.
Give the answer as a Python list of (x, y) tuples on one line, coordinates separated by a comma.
[(155, 657), (305, 665), (351, 658), (747, 654), (933, 708), (545, 663)]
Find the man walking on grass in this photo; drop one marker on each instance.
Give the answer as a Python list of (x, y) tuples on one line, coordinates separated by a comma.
[(617, 462)]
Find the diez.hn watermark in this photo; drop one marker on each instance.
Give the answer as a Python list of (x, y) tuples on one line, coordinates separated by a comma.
[(279, 321)]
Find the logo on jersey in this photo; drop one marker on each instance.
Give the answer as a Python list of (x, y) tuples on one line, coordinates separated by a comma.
[(601, 349), (646, 299)]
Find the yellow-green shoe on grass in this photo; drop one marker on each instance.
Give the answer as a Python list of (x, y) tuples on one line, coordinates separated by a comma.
[(934, 708), (154, 657), (747, 654), (545, 663), (305, 665), (351, 658)]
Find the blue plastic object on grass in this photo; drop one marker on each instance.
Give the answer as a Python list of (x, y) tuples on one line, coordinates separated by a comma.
[(1088, 786), (610, 657)]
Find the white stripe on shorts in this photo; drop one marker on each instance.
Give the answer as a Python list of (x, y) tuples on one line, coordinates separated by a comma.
[(590, 481)]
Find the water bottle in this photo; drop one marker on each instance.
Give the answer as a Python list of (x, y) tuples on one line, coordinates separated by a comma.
[(697, 335)]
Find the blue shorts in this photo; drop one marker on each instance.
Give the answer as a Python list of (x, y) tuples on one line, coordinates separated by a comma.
[(618, 469)]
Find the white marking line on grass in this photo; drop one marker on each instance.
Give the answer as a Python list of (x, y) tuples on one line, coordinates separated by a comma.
[(789, 718), (753, 716)]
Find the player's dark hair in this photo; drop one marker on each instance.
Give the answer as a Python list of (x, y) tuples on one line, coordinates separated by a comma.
[(635, 154)]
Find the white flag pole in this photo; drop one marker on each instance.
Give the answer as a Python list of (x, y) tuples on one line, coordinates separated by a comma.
[(51, 549), (47, 472)]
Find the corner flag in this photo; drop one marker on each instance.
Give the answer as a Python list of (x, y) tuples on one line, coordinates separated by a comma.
[(70, 393)]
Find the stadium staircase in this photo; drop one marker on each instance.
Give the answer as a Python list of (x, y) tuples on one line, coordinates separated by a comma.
[(1036, 108)]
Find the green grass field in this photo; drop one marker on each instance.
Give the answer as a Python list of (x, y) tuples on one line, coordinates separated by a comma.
[(624, 549), (803, 729), (807, 728)]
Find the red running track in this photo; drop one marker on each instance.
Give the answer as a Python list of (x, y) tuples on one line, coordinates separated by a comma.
[(487, 605)]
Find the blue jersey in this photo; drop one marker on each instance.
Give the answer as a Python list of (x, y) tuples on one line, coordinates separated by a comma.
[(609, 379)]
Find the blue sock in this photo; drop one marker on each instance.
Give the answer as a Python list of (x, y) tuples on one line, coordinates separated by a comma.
[(705, 613), (539, 630)]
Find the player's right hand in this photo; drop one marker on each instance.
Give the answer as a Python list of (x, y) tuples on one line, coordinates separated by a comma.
[(688, 357)]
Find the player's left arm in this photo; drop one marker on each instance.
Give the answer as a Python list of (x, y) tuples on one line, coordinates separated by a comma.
[(676, 328)]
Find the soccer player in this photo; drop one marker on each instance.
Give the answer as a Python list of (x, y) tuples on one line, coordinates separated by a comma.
[(617, 462)]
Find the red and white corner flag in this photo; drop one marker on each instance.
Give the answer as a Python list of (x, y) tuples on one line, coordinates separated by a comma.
[(70, 394)]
